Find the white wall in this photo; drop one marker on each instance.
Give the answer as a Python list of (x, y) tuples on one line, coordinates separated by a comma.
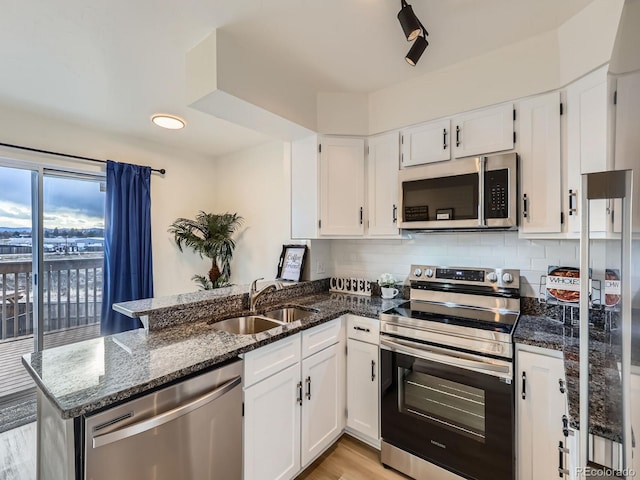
[(517, 70), (186, 188), (255, 183)]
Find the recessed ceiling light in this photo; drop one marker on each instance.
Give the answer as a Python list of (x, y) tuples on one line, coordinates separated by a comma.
[(168, 121)]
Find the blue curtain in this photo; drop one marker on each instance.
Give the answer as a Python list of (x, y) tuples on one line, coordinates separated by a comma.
[(128, 272)]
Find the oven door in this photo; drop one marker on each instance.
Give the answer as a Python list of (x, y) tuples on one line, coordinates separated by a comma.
[(448, 409)]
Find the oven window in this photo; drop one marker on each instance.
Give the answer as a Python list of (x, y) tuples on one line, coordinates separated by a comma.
[(452, 405)]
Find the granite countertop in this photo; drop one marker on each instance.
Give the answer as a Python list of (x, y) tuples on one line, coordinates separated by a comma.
[(87, 376), (604, 380)]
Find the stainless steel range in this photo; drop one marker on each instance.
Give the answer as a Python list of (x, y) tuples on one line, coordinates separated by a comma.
[(447, 393)]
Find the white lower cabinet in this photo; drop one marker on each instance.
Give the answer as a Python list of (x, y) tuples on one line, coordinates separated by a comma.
[(363, 387), (272, 427), (363, 397), (540, 406), (323, 403), (293, 415)]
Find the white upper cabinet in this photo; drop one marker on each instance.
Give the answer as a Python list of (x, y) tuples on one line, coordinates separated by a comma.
[(426, 143), (327, 187), (483, 131), (627, 138), (540, 165), (586, 145), (341, 186), (382, 178)]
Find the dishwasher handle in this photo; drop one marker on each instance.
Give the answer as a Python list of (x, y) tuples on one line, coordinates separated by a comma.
[(166, 417)]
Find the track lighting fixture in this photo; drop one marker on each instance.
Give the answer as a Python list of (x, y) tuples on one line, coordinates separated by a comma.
[(413, 30), (417, 49), (408, 21)]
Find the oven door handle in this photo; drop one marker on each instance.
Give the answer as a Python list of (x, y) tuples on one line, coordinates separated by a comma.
[(419, 350)]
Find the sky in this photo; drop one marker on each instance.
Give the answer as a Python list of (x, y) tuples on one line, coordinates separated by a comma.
[(68, 202)]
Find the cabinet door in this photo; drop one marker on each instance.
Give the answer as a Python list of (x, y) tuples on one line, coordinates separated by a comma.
[(483, 131), (382, 175), (272, 427), (539, 415), (540, 167), (323, 405), (342, 186), (426, 143), (586, 145), (363, 396), (627, 143)]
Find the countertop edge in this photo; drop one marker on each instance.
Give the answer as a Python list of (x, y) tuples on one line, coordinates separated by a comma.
[(95, 404)]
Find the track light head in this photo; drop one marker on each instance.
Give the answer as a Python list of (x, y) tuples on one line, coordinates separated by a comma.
[(416, 51), (408, 21)]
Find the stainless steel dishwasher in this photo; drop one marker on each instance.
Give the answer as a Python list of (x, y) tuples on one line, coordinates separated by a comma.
[(188, 431)]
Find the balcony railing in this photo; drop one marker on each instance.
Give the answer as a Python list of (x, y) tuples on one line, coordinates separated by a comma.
[(72, 295)]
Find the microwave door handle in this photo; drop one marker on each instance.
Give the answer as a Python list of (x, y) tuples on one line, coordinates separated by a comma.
[(481, 170)]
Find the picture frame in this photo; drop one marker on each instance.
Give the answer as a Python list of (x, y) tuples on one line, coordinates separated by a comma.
[(291, 263)]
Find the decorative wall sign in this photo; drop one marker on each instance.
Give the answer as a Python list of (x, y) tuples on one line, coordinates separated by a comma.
[(291, 262), (355, 286)]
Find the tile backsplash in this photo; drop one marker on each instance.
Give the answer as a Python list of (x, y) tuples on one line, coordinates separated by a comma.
[(370, 258)]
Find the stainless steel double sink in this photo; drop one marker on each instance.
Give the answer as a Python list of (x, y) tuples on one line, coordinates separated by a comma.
[(250, 324)]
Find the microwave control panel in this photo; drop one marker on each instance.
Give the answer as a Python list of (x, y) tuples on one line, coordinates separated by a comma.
[(497, 194)]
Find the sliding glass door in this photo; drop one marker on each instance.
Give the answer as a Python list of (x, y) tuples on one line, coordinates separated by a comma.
[(72, 245), (51, 257)]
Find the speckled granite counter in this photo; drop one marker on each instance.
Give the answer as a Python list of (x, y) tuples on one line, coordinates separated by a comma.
[(604, 381), (84, 377)]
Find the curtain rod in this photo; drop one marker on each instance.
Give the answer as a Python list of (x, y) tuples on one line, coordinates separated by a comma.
[(162, 171)]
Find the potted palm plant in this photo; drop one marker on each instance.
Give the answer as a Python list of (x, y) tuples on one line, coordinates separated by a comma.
[(210, 235)]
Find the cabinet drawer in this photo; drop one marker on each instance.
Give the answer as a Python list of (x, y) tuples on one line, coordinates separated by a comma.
[(320, 337), (363, 329), (265, 361)]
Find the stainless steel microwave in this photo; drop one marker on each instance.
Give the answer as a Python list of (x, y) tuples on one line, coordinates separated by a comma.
[(470, 193)]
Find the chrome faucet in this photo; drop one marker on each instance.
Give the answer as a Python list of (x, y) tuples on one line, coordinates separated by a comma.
[(255, 294)]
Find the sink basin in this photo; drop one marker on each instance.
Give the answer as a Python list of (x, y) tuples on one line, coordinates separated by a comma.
[(245, 325), (289, 314)]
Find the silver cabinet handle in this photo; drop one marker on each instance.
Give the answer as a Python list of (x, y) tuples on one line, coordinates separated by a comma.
[(308, 382), (395, 213), (457, 135), (525, 207), (561, 451), (373, 370), (165, 417), (572, 210), (524, 385), (561, 386), (360, 329), (361, 216), (299, 393), (444, 139)]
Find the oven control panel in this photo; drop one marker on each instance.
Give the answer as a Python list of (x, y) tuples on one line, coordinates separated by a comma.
[(490, 277)]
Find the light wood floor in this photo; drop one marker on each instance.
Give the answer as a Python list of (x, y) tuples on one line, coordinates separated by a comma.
[(18, 453), (349, 459)]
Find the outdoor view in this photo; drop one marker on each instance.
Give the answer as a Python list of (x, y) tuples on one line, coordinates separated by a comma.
[(73, 217)]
